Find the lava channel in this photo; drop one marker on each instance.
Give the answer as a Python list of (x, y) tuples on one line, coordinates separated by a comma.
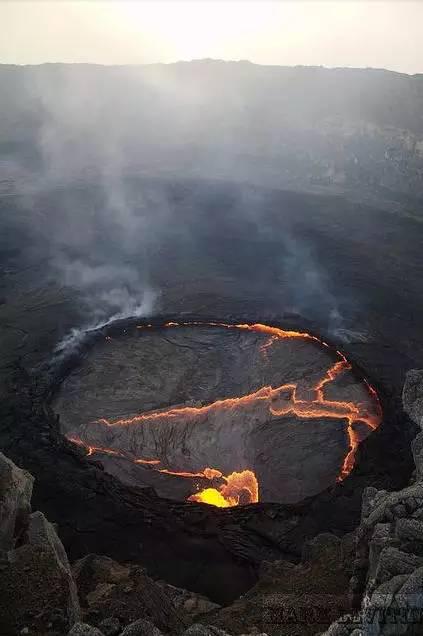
[(240, 488)]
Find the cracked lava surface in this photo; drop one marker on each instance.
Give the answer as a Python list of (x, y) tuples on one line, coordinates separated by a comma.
[(224, 414)]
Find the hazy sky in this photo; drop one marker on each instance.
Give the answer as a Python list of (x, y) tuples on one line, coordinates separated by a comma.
[(338, 33)]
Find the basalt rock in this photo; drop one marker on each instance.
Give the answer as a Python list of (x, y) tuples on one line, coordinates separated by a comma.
[(201, 630), (109, 589), (294, 599), (412, 396), (141, 627), (110, 626), (208, 630), (188, 603), (388, 572), (393, 562), (417, 450), (15, 502), (37, 590), (83, 629)]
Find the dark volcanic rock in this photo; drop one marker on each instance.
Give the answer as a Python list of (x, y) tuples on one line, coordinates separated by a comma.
[(412, 396), (204, 630), (392, 562), (36, 587), (141, 627), (110, 626), (15, 501), (189, 604), (109, 589), (294, 600), (388, 572), (83, 629), (409, 530)]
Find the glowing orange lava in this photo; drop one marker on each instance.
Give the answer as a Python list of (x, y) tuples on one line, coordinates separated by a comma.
[(238, 488), (242, 487)]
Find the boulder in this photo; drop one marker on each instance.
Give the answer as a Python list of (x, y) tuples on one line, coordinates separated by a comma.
[(83, 629), (108, 588), (37, 590), (411, 592), (15, 501), (208, 630), (412, 396), (393, 562), (93, 570), (323, 547), (203, 630), (381, 539), (380, 615), (197, 605), (110, 626), (141, 627), (417, 450), (371, 498), (42, 534), (342, 627), (390, 543), (189, 603), (409, 530), (391, 587)]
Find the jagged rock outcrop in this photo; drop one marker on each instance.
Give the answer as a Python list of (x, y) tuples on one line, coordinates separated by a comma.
[(412, 396), (37, 590), (15, 501), (293, 599), (121, 600), (188, 603), (388, 569), (141, 627), (83, 629), (201, 630), (110, 626), (108, 589)]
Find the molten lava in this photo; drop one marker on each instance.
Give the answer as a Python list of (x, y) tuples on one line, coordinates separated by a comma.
[(242, 487), (239, 488)]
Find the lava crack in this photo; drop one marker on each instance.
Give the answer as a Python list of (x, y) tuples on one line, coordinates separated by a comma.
[(242, 487)]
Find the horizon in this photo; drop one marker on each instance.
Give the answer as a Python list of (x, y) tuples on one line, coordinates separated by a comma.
[(344, 34), (215, 60)]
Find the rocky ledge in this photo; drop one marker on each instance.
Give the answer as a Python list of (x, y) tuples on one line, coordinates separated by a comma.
[(37, 588), (387, 583), (368, 582), (42, 595)]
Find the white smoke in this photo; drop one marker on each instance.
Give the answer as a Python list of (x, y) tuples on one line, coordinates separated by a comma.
[(128, 307), (100, 127), (98, 241)]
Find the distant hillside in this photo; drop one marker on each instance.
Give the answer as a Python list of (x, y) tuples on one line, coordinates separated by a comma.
[(236, 120)]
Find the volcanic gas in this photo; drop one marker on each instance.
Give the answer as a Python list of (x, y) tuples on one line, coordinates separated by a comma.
[(219, 413)]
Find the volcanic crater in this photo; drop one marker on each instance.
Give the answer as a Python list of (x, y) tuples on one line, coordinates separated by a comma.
[(219, 413)]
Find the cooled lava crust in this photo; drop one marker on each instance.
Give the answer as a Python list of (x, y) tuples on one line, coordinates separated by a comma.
[(220, 413)]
